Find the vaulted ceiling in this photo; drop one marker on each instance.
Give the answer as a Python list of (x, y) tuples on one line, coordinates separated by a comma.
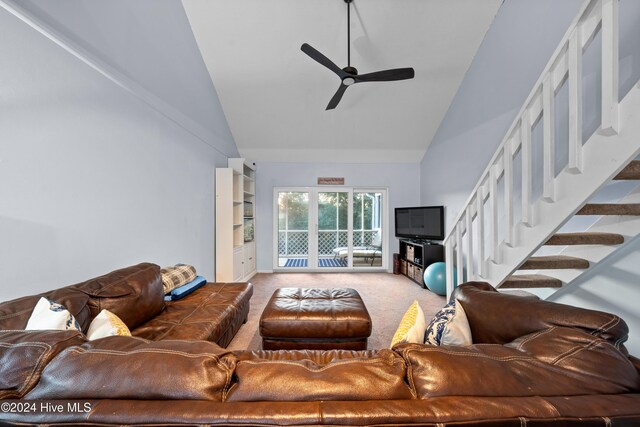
[(274, 96)]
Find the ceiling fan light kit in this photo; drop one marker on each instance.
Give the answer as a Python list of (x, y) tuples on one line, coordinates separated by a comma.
[(349, 75)]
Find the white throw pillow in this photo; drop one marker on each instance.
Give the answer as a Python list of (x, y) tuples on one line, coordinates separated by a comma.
[(449, 326), (457, 331), (107, 324), (48, 314)]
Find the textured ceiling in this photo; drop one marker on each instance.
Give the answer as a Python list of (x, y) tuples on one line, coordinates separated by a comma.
[(274, 96)]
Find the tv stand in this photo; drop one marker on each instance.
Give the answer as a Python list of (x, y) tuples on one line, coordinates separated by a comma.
[(415, 256)]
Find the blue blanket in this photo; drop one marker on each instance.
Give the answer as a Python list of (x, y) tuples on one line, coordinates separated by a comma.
[(186, 289)]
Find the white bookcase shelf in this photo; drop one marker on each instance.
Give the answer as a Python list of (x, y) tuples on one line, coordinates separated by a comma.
[(235, 222)]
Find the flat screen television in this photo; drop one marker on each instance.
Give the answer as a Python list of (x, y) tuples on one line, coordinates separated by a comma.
[(425, 222)]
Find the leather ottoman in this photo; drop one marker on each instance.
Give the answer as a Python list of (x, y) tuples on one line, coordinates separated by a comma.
[(315, 319)]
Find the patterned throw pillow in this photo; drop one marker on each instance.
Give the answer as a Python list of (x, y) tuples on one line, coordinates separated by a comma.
[(175, 276), (449, 326), (412, 326), (49, 314), (107, 324)]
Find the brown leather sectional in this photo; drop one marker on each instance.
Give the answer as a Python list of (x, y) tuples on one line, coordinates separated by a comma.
[(214, 312), (533, 363)]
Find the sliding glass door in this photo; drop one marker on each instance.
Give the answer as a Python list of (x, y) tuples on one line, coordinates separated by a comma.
[(293, 229), (367, 229), (322, 229), (333, 229)]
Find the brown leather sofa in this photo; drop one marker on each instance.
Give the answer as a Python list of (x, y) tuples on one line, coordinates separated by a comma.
[(533, 363), (214, 312)]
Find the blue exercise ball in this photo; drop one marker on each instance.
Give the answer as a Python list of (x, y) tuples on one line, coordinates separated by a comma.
[(435, 277)]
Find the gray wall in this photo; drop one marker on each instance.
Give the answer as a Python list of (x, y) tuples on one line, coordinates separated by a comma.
[(149, 41), (612, 286), (401, 180), (92, 178)]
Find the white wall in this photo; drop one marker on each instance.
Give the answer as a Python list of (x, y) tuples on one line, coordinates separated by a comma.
[(612, 286), (149, 41), (92, 178), (401, 180)]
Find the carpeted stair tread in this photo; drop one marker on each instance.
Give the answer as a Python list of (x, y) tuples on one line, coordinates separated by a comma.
[(555, 262), (630, 172), (523, 281), (586, 238), (610, 209)]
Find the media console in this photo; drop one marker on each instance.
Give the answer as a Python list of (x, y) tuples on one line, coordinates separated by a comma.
[(415, 256)]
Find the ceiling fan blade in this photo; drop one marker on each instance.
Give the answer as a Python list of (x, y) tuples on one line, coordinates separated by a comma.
[(320, 58), (336, 97), (386, 75)]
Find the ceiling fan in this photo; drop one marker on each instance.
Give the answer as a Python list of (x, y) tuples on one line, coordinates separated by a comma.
[(349, 75)]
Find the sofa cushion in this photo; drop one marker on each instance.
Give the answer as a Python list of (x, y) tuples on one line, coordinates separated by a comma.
[(24, 354), (555, 362), (206, 314), (120, 367), (134, 294), (499, 318), (310, 375)]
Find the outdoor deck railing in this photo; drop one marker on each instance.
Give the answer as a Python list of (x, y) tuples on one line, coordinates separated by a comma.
[(293, 243)]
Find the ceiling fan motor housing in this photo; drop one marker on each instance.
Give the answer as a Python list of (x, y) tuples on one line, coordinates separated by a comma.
[(350, 70)]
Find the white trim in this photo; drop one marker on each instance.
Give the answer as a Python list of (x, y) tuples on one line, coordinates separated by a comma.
[(335, 155)]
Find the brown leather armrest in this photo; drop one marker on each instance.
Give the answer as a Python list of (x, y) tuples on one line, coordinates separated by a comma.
[(24, 354), (499, 318)]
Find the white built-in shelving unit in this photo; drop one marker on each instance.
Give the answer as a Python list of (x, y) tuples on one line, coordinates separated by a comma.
[(235, 221)]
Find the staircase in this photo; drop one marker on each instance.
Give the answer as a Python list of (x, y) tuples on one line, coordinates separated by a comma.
[(583, 240), (487, 242)]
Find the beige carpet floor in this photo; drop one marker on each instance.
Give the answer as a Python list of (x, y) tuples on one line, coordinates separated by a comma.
[(387, 297)]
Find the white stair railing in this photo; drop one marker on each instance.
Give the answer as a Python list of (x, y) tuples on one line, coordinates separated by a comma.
[(589, 167)]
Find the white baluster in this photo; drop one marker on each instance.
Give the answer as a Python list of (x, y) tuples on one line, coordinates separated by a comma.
[(469, 221), (575, 102), (449, 264), (459, 258), (480, 219), (507, 160), (609, 67), (493, 202), (525, 133), (549, 140)]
